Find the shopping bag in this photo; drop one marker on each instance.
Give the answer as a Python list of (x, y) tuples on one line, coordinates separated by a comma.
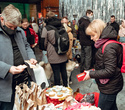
[(29, 98)]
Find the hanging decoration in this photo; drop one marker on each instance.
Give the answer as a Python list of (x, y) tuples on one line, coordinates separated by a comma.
[(102, 9)]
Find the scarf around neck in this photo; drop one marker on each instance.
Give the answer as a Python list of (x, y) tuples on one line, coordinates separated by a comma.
[(100, 42)]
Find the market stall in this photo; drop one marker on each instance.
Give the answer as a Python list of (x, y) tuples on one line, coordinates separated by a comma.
[(57, 97), (54, 98)]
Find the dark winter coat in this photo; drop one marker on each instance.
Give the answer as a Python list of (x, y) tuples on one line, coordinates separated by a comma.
[(108, 64), (115, 26), (85, 40)]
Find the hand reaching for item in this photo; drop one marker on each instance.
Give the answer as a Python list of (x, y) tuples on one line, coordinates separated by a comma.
[(87, 77), (33, 61)]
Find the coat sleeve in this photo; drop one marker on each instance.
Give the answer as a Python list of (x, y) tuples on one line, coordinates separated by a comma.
[(110, 63), (35, 35), (69, 53), (4, 68), (44, 37)]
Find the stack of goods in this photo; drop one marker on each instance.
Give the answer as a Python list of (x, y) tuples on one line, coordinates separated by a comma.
[(57, 94), (29, 98), (82, 106)]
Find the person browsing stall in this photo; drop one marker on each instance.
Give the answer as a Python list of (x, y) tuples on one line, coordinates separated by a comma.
[(32, 37), (107, 72), (14, 50)]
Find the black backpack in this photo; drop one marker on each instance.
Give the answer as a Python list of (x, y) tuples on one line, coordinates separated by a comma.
[(41, 40), (61, 40)]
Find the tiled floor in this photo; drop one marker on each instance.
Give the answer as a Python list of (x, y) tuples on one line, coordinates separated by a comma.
[(88, 86)]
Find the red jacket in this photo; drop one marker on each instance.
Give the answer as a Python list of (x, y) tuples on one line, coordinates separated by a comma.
[(34, 34)]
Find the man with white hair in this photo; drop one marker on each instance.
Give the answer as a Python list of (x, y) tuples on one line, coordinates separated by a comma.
[(14, 51)]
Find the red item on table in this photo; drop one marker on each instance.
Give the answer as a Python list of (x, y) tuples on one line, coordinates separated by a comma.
[(54, 101), (81, 76), (79, 96)]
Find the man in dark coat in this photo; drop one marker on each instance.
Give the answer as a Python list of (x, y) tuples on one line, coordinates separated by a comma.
[(113, 23), (85, 41)]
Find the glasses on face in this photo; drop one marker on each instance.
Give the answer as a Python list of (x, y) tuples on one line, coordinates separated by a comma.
[(25, 25)]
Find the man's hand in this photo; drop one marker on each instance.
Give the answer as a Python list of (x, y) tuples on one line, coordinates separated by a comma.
[(17, 69), (33, 61)]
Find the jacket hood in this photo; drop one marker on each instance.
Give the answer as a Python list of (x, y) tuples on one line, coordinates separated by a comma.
[(109, 32), (53, 21)]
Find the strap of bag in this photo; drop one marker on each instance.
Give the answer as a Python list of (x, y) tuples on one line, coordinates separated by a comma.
[(123, 45), (113, 41), (108, 42), (52, 27)]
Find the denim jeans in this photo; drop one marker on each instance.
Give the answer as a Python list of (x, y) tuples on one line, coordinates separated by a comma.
[(122, 39), (57, 69), (44, 57), (107, 102), (86, 58)]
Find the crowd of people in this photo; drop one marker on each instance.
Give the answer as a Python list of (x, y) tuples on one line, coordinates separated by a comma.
[(18, 43)]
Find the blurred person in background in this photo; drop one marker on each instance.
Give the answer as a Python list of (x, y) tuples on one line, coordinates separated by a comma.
[(113, 23), (122, 32), (85, 42), (68, 29), (35, 26), (32, 37)]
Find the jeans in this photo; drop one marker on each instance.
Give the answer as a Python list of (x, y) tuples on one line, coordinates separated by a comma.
[(44, 57), (122, 39), (86, 58), (57, 69), (107, 102)]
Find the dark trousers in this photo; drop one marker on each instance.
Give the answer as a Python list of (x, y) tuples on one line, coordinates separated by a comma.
[(57, 69), (107, 102), (86, 58), (8, 105)]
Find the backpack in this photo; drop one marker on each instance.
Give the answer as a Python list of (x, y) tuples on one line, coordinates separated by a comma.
[(41, 40), (61, 40), (123, 45)]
